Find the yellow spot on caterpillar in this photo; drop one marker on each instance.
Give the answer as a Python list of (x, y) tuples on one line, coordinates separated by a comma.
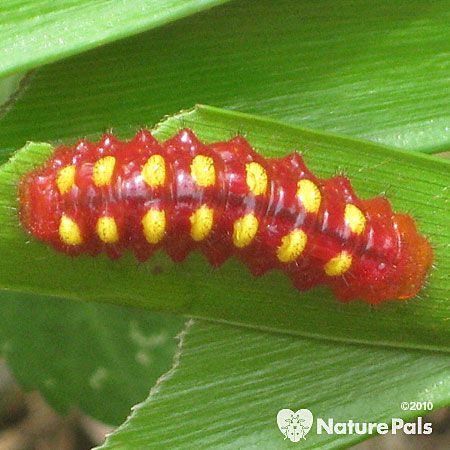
[(154, 225), (65, 179), (201, 223), (244, 230), (69, 231), (338, 265), (354, 218), (103, 171), (256, 178), (292, 246), (310, 195), (154, 171), (107, 230), (203, 171)]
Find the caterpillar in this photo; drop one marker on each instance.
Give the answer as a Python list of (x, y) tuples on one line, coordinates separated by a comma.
[(223, 199)]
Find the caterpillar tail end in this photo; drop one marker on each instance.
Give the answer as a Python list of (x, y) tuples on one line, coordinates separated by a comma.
[(415, 260), (402, 278)]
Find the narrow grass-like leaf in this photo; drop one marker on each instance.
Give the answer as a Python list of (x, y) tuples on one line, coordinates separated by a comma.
[(375, 69), (225, 392), (36, 32), (416, 183)]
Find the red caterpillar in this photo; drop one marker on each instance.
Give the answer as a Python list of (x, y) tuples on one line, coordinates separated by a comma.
[(223, 199)]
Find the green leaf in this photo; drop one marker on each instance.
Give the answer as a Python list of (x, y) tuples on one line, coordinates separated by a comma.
[(416, 183), (8, 86), (37, 32), (226, 392), (314, 64), (101, 358)]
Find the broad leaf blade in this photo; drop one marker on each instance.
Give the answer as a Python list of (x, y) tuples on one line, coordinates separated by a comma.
[(99, 358), (416, 183), (237, 382), (315, 64), (33, 32)]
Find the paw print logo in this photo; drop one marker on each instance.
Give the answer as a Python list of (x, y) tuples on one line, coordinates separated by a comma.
[(294, 425)]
